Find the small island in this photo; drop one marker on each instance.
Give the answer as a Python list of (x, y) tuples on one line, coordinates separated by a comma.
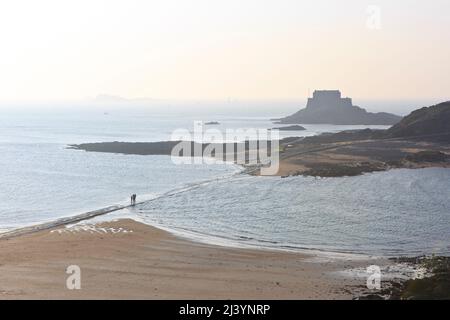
[(290, 128), (329, 107), (212, 123)]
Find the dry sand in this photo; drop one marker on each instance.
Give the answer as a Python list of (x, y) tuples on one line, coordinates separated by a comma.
[(130, 260)]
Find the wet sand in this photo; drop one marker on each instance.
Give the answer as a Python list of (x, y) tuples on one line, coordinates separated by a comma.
[(126, 259)]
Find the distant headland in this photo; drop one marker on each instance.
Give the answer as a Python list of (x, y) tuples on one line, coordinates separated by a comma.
[(420, 140), (328, 106)]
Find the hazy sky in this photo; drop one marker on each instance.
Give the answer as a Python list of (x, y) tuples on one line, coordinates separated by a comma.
[(211, 49)]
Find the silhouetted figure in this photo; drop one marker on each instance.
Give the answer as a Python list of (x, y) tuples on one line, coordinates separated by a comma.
[(134, 199), (131, 199)]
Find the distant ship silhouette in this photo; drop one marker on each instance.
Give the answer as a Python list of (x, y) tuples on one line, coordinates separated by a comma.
[(328, 107)]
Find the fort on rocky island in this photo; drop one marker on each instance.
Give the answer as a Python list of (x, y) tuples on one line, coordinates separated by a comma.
[(328, 107)]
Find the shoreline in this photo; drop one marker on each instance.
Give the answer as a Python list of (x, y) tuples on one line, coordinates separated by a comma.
[(126, 259), (195, 236), (188, 235), (218, 241), (339, 275), (129, 259), (347, 153), (91, 214), (60, 222)]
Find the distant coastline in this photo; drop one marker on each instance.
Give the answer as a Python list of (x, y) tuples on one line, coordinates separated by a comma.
[(354, 153), (420, 140)]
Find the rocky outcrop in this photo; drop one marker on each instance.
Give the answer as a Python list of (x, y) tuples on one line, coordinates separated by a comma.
[(328, 107), (291, 128)]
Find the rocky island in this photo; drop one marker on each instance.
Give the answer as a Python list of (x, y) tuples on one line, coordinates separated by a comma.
[(328, 107), (290, 128)]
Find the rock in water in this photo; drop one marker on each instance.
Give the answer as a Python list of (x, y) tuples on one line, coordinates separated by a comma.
[(328, 107), (290, 128)]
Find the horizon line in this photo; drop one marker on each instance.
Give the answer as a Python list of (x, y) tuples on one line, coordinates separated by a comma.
[(103, 99)]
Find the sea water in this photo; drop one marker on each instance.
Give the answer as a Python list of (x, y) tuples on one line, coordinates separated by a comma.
[(400, 212), (393, 213)]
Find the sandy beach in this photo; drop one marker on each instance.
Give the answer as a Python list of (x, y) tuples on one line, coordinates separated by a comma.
[(126, 259)]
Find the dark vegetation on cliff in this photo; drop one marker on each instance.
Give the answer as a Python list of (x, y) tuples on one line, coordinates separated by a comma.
[(425, 121), (425, 124)]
